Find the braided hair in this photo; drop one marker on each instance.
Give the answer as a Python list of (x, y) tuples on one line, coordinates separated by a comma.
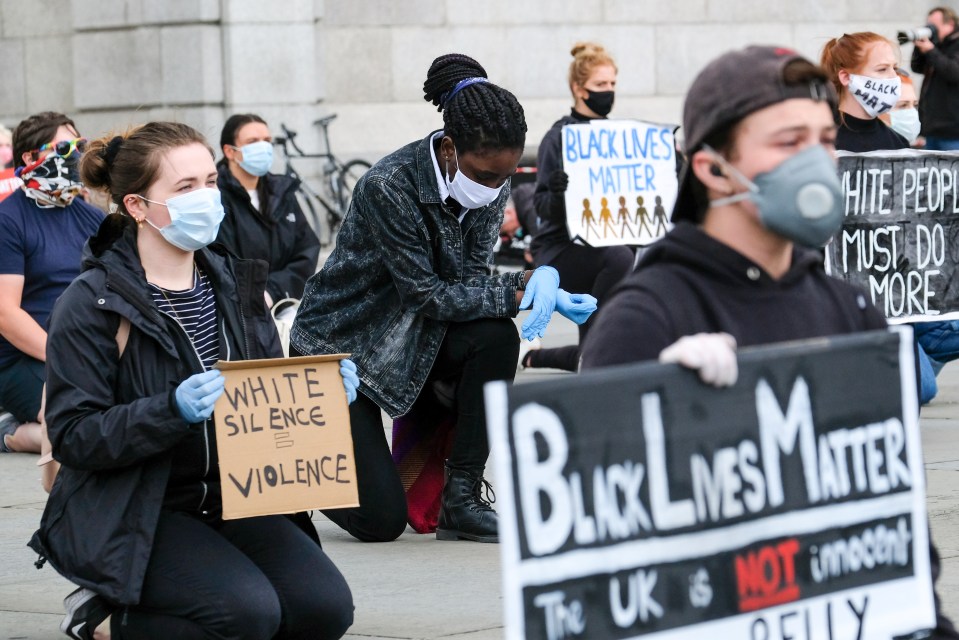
[(476, 114)]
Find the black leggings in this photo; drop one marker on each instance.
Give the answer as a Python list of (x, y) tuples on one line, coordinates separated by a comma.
[(583, 270), (472, 354), (254, 578)]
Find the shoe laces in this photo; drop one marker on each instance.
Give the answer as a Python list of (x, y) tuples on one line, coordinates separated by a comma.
[(481, 487)]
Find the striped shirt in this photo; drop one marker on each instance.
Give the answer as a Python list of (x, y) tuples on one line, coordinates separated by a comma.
[(195, 310)]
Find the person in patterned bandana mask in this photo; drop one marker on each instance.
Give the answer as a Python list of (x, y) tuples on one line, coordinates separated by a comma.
[(43, 228)]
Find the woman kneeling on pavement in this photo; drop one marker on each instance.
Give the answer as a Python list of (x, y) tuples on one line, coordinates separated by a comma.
[(408, 292), (134, 516)]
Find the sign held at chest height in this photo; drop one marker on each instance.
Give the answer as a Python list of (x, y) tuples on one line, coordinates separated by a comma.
[(900, 238), (622, 181), (283, 437), (638, 502)]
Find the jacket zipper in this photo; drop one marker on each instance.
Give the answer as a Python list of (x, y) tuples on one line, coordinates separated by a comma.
[(206, 437)]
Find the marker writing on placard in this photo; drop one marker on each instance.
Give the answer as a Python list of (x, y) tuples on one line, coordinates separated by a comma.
[(812, 623), (308, 472), (562, 619), (255, 391), (732, 481)]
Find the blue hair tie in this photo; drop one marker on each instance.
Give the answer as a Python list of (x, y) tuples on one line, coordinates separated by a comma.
[(462, 84)]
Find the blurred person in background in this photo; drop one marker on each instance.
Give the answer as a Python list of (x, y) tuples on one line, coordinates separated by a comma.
[(937, 58), (592, 82), (263, 219), (43, 227)]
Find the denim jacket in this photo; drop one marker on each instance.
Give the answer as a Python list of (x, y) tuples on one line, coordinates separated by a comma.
[(403, 268)]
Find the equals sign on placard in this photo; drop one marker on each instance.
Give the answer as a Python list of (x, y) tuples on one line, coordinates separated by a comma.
[(283, 440)]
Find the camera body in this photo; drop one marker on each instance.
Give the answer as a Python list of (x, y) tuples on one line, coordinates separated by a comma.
[(927, 32)]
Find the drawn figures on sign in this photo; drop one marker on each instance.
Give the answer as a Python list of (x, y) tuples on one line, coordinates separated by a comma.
[(615, 163), (588, 220)]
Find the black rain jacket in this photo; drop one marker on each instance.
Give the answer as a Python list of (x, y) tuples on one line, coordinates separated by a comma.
[(112, 419)]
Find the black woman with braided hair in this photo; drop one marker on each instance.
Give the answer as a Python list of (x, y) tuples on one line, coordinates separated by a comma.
[(408, 292)]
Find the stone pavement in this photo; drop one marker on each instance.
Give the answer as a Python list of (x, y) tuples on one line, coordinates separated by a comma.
[(418, 587)]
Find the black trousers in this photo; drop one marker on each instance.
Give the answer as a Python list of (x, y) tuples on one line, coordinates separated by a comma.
[(583, 270), (254, 578), (472, 354)]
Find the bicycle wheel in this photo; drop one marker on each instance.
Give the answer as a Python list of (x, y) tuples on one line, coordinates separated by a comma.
[(312, 211), (348, 177)]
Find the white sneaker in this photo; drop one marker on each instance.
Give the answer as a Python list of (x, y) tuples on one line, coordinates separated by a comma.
[(525, 346)]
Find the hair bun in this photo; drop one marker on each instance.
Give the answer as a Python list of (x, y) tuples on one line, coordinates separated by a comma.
[(581, 48), (111, 150), (445, 73)]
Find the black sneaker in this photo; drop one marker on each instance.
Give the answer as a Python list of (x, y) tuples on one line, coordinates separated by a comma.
[(85, 611)]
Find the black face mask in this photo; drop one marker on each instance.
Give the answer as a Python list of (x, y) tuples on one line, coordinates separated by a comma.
[(600, 102)]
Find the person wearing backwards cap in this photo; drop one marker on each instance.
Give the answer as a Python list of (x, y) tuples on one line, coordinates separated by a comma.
[(760, 194)]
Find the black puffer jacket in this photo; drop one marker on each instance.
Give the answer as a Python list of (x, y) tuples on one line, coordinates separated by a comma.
[(112, 420), (280, 235)]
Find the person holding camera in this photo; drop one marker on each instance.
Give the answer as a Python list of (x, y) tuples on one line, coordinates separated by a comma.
[(937, 58)]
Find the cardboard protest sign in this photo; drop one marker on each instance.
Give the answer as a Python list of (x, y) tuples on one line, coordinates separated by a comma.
[(637, 501), (283, 437), (622, 181), (900, 238)]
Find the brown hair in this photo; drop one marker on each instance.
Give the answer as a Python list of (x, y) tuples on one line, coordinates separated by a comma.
[(35, 131), (848, 52), (586, 57), (948, 15), (129, 162)]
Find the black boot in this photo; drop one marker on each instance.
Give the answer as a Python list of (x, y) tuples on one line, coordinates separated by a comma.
[(464, 514)]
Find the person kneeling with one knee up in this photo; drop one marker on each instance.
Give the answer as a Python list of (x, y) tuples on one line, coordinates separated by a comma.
[(408, 292)]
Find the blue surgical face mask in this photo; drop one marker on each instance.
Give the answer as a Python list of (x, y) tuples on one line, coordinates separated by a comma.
[(906, 123), (257, 157), (469, 193), (800, 200), (195, 219)]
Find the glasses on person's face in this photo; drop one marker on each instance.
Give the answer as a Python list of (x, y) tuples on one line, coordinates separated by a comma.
[(64, 148)]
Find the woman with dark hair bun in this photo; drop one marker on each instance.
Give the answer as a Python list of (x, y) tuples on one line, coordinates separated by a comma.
[(263, 219), (408, 292)]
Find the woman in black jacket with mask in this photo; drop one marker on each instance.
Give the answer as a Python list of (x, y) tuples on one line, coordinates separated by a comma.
[(592, 81), (134, 516), (263, 219)]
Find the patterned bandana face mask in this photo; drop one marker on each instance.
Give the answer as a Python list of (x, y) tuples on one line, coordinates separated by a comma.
[(53, 181)]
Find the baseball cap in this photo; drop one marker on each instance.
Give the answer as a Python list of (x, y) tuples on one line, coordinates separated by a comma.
[(730, 88)]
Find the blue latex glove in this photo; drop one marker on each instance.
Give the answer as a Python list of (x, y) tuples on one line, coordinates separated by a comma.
[(541, 294), (351, 382), (577, 307), (197, 394)]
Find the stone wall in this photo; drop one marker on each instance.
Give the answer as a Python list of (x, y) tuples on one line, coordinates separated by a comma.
[(112, 63)]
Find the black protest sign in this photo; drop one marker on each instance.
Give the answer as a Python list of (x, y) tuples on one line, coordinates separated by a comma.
[(900, 238), (638, 501)]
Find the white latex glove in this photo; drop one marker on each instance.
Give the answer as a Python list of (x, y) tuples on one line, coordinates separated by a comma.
[(713, 355)]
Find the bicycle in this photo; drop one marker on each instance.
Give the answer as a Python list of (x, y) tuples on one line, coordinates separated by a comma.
[(339, 179)]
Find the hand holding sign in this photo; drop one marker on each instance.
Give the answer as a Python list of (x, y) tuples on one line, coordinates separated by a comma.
[(351, 382), (713, 355), (197, 394)]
